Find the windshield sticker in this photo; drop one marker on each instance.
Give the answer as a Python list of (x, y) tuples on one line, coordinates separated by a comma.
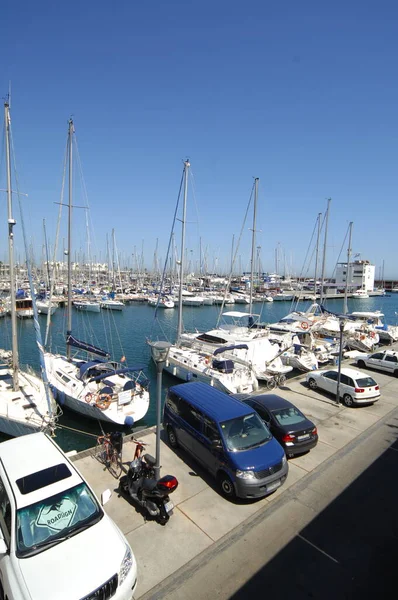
[(57, 516)]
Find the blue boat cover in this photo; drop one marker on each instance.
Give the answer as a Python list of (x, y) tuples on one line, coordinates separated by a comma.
[(72, 341)]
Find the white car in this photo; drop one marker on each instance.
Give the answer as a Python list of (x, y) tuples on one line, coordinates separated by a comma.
[(355, 387), (56, 541), (384, 360)]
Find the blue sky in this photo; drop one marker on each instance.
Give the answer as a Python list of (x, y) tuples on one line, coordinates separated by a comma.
[(300, 94)]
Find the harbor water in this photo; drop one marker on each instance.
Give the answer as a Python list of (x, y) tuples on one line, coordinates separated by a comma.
[(125, 334)]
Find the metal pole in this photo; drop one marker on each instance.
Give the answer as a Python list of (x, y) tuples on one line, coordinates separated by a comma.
[(345, 307), (69, 320), (253, 244), (184, 216), (324, 250), (159, 368), (341, 325)]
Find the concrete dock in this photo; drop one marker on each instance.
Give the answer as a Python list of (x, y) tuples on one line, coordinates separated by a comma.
[(175, 561)]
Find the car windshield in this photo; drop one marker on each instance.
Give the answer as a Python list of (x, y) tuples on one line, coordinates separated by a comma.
[(245, 432), (366, 382), (54, 519), (288, 416)]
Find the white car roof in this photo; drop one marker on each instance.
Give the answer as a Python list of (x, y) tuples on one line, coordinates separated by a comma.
[(350, 372), (29, 454)]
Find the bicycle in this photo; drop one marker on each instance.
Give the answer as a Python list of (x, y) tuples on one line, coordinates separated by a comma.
[(109, 452), (275, 380)]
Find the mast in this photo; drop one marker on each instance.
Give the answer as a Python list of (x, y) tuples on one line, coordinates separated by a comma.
[(324, 249), (317, 254), (253, 244), (184, 213), (11, 223), (345, 306), (69, 321)]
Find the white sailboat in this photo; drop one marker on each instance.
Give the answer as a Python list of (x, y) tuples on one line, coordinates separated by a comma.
[(228, 373), (26, 403), (97, 388)]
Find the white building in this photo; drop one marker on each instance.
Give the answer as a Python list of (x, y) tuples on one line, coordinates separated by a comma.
[(361, 275)]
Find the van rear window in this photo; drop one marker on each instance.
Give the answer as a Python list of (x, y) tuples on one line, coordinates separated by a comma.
[(40, 479)]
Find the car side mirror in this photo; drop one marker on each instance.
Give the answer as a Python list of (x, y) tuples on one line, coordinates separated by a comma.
[(105, 496), (216, 444)]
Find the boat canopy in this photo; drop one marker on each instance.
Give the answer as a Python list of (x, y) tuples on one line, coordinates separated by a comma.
[(237, 314), (237, 347), (118, 372), (72, 341), (338, 315)]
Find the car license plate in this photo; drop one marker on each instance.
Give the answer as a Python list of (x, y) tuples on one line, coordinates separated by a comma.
[(273, 485), (169, 506), (303, 437)]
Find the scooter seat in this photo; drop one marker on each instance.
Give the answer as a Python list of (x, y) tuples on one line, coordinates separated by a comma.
[(150, 460)]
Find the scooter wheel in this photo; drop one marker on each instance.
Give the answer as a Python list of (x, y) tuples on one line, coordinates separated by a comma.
[(163, 520)]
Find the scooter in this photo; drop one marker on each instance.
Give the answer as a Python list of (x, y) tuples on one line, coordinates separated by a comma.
[(141, 485)]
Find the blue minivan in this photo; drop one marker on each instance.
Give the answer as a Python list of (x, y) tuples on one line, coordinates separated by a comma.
[(226, 437)]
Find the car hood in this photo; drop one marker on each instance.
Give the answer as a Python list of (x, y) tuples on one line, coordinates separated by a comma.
[(76, 567), (260, 458)]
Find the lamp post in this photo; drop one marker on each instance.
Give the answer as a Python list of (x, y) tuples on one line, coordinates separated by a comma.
[(159, 351), (341, 327)]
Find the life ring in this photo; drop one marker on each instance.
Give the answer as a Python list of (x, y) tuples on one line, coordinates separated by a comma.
[(88, 397), (304, 325), (103, 401)]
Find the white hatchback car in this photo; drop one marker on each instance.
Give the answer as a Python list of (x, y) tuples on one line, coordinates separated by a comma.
[(384, 360), (355, 387), (56, 541)]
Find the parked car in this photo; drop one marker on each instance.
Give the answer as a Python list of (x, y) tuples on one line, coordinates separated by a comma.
[(355, 387), (56, 541), (287, 423), (227, 438), (384, 360)]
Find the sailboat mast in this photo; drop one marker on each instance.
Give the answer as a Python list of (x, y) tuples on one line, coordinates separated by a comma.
[(69, 322), (184, 213), (345, 306), (253, 244), (11, 223), (324, 249), (317, 254)]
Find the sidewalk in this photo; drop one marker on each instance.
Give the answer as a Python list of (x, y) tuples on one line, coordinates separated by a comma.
[(202, 516)]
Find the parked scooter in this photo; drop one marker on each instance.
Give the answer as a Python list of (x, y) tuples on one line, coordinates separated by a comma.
[(141, 485)]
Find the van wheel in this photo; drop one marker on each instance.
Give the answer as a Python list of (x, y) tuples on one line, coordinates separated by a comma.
[(171, 435), (226, 486), (361, 364), (396, 372), (348, 401)]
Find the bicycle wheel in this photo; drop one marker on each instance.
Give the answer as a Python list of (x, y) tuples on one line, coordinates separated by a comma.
[(271, 383), (281, 379), (114, 465), (100, 453)]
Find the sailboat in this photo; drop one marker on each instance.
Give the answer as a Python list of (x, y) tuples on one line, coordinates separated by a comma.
[(227, 372), (26, 402), (95, 387)]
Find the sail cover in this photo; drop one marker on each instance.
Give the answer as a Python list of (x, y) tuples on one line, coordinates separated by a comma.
[(72, 341), (225, 349)]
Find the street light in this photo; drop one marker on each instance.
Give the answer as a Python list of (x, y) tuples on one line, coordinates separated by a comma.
[(159, 351), (341, 327)]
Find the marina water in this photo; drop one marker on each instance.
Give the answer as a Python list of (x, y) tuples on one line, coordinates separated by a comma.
[(125, 334)]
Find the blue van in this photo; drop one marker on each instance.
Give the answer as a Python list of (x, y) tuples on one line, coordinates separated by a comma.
[(226, 437)]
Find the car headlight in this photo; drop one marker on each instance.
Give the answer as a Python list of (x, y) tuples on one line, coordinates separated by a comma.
[(284, 460), (245, 474), (126, 564)]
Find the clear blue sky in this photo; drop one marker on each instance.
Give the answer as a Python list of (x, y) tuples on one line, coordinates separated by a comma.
[(303, 95)]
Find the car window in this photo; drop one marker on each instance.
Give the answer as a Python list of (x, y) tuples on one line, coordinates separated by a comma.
[(191, 415), (366, 382), (346, 380), (390, 358), (35, 481), (53, 519), (378, 355), (5, 513), (245, 432), (288, 416), (331, 375), (210, 429)]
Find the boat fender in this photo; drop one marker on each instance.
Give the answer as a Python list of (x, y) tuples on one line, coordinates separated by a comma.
[(61, 397), (54, 391), (88, 397), (372, 334), (129, 421), (103, 401)]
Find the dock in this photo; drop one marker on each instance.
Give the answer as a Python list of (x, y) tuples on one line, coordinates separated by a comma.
[(202, 544)]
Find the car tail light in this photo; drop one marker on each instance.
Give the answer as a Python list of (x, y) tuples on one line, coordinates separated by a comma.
[(377, 387), (359, 390), (314, 431), (288, 438)]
